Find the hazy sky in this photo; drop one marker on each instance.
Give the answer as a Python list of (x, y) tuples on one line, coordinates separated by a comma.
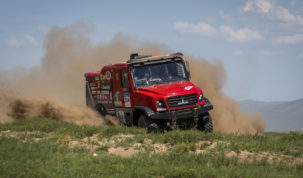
[(260, 42)]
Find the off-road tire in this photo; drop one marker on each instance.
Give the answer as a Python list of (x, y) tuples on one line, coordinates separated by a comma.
[(101, 110), (153, 128), (145, 122), (208, 125), (205, 123)]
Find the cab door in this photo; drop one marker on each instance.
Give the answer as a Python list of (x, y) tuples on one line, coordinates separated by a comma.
[(122, 95), (121, 92)]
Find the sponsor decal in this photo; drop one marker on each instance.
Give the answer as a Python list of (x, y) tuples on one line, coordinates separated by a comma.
[(105, 86), (105, 92), (117, 98), (127, 99), (108, 75), (121, 116), (105, 95), (118, 103), (188, 87), (97, 78), (104, 102), (92, 84)]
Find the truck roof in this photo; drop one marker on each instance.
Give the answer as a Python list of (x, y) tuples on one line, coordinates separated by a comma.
[(110, 66), (135, 59), (90, 74)]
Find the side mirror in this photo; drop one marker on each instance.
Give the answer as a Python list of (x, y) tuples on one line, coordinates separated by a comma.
[(187, 69)]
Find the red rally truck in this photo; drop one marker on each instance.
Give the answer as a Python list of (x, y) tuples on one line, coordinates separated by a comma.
[(152, 92)]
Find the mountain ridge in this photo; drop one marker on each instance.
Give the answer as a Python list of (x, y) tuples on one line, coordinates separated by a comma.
[(280, 116)]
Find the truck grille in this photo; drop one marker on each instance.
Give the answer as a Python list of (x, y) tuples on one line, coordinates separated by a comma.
[(184, 113), (182, 101)]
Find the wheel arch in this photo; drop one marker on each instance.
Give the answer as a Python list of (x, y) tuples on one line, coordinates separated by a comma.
[(139, 110)]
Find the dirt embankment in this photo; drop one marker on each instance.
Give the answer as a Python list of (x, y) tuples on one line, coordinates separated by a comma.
[(120, 145)]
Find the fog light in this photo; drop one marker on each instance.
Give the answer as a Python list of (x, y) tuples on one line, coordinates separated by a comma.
[(161, 105), (200, 98)]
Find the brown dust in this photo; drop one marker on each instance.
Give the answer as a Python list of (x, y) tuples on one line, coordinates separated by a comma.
[(56, 88)]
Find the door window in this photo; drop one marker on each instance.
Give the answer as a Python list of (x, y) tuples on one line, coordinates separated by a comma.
[(125, 79)]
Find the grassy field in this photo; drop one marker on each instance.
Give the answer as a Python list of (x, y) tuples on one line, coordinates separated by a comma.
[(49, 148)]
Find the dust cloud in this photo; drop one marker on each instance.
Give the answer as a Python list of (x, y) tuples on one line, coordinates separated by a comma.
[(30, 108), (227, 116), (56, 88)]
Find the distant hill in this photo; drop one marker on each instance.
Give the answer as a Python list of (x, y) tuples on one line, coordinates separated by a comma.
[(279, 116)]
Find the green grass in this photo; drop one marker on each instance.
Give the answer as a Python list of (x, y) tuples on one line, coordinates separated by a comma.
[(39, 148)]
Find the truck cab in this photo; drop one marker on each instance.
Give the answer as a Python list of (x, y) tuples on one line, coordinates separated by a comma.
[(152, 92)]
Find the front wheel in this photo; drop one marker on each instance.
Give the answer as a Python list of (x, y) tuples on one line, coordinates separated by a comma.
[(205, 123), (145, 122)]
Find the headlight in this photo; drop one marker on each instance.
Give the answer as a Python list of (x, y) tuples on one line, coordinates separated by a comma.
[(160, 105), (200, 98)]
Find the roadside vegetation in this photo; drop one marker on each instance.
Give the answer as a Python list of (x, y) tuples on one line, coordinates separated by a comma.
[(49, 148)]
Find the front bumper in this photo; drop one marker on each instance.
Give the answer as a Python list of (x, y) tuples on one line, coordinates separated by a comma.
[(181, 114)]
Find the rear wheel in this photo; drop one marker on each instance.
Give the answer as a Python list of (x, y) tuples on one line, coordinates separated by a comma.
[(145, 122), (101, 110), (205, 123)]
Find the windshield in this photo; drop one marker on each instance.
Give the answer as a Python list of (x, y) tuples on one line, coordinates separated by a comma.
[(159, 74)]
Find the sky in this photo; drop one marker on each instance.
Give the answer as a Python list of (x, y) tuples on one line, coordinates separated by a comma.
[(260, 42)]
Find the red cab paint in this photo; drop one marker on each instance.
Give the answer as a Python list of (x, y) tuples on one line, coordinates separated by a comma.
[(154, 92)]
